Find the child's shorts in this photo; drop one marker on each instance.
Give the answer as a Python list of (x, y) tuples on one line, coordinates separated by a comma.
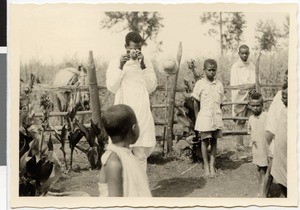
[(211, 134)]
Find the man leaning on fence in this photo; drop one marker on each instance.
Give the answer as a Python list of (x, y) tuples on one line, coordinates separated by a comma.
[(242, 73)]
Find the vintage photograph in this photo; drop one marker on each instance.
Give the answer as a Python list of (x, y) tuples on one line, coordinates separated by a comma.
[(153, 101)]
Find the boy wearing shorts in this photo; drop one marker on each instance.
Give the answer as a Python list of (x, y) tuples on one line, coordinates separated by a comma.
[(209, 95)]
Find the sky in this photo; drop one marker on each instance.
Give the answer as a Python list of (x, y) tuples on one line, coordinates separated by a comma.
[(52, 34)]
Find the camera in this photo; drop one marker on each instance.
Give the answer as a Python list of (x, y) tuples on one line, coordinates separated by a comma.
[(134, 53)]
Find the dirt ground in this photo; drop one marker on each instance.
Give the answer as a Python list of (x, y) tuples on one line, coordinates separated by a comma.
[(175, 175)]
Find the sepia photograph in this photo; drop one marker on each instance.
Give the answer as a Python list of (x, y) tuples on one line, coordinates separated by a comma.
[(182, 105)]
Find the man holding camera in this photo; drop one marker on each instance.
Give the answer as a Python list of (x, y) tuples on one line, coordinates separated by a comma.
[(131, 78)]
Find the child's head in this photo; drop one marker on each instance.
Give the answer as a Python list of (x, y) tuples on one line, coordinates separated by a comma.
[(285, 77), (133, 40), (121, 124), (284, 94), (244, 52), (256, 103), (210, 68)]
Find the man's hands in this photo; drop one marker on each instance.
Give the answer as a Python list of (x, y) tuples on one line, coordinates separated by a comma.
[(123, 59), (126, 57), (141, 60)]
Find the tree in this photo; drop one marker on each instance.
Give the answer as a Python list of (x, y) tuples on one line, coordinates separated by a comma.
[(228, 25), (268, 35), (148, 24), (286, 27)]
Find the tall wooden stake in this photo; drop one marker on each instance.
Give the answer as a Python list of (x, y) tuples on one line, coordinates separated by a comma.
[(94, 95), (257, 83), (166, 115), (172, 95)]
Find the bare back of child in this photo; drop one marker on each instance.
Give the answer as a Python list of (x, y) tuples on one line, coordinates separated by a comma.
[(121, 174)]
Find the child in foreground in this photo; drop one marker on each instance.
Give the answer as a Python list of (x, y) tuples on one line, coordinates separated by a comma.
[(121, 174), (256, 129), (209, 95)]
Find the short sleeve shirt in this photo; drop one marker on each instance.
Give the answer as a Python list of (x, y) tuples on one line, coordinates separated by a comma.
[(211, 95)]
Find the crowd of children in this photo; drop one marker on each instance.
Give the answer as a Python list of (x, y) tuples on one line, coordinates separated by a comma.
[(123, 173)]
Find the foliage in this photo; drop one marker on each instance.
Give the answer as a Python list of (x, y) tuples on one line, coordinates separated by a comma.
[(269, 35), (286, 27), (148, 24), (38, 164), (47, 105), (228, 25)]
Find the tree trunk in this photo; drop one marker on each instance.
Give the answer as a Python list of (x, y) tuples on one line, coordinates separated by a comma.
[(172, 95), (221, 33)]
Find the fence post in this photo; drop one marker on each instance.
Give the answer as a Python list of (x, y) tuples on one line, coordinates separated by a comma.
[(257, 83), (169, 132), (93, 89)]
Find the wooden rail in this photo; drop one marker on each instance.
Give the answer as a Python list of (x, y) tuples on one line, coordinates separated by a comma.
[(53, 88)]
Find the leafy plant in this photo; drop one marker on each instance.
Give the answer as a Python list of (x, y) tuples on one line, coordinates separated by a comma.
[(61, 138), (186, 115), (96, 149), (38, 164)]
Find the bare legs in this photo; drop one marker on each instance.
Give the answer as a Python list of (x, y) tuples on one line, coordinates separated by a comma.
[(204, 145), (267, 181), (240, 140), (209, 169)]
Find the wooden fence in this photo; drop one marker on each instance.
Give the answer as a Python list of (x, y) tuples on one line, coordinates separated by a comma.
[(50, 88), (168, 106)]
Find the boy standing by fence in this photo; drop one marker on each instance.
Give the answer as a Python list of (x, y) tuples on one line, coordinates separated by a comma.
[(209, 94), (131, 78), (242, 73), (256, 128)]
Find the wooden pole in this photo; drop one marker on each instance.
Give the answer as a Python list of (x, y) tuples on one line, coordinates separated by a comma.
[(257, 84), (94, 95), (166, 110), (172, 94)]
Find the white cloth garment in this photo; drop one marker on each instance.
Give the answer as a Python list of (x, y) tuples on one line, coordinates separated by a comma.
[(279, 167), (142, 154), (272, 117), (256, 128), (135, 180), (132, 86), (211, 95), (242, 73)]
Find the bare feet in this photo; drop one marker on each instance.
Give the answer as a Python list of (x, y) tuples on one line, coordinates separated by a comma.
[(206, 171), (213, 172)]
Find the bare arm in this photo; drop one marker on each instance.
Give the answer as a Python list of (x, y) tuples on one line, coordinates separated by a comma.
[(114, 177), (269, 137), (196, 107)]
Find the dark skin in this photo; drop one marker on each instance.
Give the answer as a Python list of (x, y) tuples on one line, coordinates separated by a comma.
[(244, 54), (284, 97), (256, 107), (209, 169), (126, 57), (112, 172)]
